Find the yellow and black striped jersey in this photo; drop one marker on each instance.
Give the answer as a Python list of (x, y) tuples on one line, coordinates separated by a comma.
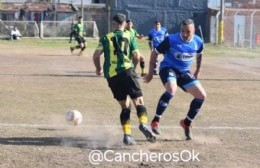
[(118, 47)]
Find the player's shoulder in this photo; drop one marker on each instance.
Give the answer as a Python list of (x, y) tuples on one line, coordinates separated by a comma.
[(175, 36), (163, 29), (197, 38), (109, 34), (151, 31)]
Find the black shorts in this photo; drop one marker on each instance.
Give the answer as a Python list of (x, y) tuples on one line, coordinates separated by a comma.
[(184, 80), (80, 39), (124, 84)]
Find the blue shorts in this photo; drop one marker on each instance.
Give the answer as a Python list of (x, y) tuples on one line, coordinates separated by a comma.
[(184, 80)]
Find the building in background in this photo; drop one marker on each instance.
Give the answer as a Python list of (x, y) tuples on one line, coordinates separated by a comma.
[(241, 21)]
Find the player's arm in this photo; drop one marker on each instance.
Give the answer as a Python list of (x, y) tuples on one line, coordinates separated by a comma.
[(134, 50), (166, 34), (136, 58), (198, 62), (139, 36), (96, 58), (153, 58), (161, 49), (18, 33), (150, 39), (198, 65)]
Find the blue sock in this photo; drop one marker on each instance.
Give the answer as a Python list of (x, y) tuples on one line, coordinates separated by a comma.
[(194, 110), (162, 105)]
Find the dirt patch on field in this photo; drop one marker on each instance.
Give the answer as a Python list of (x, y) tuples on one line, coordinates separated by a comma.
[(39, 85)]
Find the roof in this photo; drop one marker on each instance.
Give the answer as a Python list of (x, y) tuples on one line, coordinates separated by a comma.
[(11, 6), (36, 7)]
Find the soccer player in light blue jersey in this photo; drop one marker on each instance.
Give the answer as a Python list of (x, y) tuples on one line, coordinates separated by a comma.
[(179, 51), (155, 37)]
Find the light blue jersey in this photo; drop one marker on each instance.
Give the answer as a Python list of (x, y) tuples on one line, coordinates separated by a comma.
[(179, 54), (157, 36)]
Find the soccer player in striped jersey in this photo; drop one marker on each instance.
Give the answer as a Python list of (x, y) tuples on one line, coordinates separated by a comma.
[(119, 48), (179, 52), (78, 34), (155, 37), (129, 27)]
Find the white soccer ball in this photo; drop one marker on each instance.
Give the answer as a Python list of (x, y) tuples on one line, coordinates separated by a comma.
[(74, 117)]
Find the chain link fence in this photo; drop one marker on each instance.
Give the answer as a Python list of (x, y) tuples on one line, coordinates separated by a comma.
[(242, 28), (47, 29), (26, 28)]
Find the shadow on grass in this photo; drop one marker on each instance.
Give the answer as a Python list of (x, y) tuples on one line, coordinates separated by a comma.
[(71, 74), (76, 142), (92, 74)]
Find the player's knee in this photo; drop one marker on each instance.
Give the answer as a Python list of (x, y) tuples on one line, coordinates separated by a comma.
[(141, 110), (202, 95), (142, 64), (125, 116), (83, 48), (196, 104), (141, 58), (166, 97)]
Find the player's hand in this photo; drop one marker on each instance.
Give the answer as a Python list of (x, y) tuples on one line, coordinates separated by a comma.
[(148, 78), (99, 72)]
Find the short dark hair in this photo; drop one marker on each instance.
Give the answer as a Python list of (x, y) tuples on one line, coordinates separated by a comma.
[(156, 22), (80, 17), (128, 20), (187, 22), (119, 18)]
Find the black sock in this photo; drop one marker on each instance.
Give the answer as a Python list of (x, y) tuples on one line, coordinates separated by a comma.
[(194, 110), (162, 105)]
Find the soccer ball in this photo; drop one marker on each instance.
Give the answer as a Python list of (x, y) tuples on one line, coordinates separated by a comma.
[(74, 117)]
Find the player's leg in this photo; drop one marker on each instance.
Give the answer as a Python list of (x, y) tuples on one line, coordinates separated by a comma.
[(15, 37), (142, 65), (168, 78), (117, 87), (135, 61), (155, 67), (82, 46), (194, 88), (76, 46), (71, 35), (126, 122), (135, 92)]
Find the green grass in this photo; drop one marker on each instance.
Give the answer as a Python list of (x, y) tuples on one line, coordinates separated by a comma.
[(211, 50)]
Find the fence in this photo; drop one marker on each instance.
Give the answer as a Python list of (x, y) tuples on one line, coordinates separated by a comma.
[(26, 28), (54, 29), (242, 28), (47, 29)]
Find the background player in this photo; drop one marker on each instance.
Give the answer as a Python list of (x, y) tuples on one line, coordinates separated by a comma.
[(155, 37), (72, 31), (79, 31), (15, 34), (129, 27), (121, 78), (179, 51)]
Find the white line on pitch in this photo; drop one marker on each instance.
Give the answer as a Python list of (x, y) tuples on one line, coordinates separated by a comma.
[(134, 126)]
